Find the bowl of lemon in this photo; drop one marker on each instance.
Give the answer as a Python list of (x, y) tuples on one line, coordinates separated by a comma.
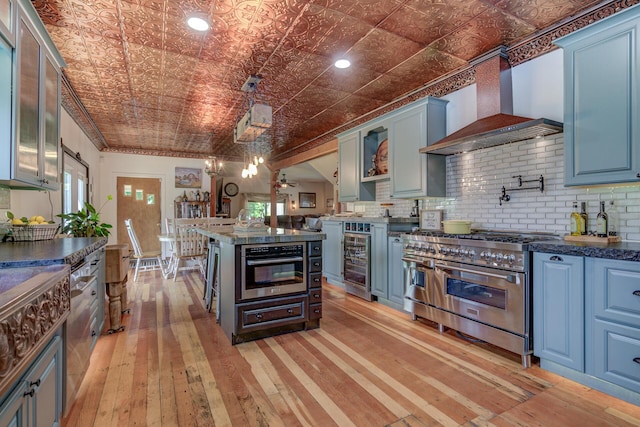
[(31, 229)]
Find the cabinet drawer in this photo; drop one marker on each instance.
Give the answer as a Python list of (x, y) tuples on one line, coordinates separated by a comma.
[(315, 295), (616, 291), (315, 264), (616, 355), (315, 311), (315, 248), (315, 280), (272, 313)]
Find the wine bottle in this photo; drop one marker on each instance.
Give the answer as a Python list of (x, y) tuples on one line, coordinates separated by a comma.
[(574, 221), (614, 225), (602, 222), (585, 218)]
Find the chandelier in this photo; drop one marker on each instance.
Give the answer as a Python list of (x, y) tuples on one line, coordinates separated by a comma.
[(213, 166), (250, 128)]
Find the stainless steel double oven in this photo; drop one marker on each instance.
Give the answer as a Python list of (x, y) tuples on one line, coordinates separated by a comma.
[(476, 284)]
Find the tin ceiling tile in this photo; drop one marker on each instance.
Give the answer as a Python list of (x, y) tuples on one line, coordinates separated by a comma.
[(151, 83)]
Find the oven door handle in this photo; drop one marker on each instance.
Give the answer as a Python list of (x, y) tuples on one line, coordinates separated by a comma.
[(274, 260), (410, 259), (509, 277)]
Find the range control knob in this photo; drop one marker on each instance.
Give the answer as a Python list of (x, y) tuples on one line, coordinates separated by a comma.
[(455, 251), (472, 254), (444, 251), (486, 255), (499, 257), (464, 252), (511, 259)]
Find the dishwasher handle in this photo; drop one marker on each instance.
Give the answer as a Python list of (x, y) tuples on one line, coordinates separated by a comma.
[(79, 290)]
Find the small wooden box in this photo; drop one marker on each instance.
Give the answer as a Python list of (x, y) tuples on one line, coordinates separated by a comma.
[(117, 263)]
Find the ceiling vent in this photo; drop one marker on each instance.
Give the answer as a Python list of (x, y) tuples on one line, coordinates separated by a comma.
[(496, 124)]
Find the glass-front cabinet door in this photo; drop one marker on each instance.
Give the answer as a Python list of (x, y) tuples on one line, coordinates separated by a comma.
[(7, 20), (51, 123), (28, 102)]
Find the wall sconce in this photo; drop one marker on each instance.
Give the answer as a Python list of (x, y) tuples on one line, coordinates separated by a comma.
[(293, 204)]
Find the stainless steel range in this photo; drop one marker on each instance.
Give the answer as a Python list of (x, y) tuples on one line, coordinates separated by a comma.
[(477, 284)]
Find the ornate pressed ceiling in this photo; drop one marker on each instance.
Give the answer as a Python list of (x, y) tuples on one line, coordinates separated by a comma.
[(139, 80)]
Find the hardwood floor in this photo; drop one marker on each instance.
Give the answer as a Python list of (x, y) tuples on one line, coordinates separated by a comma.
[(367, 365)]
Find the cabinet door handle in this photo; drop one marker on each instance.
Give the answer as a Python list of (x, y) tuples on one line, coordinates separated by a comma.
[(93, 333), (93, 293), (638, 175), (556, 258), (35, 383), (636, 360), (637, 293), (29, 393)]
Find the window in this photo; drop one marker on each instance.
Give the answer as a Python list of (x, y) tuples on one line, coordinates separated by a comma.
[(259, 205), (75, 183)]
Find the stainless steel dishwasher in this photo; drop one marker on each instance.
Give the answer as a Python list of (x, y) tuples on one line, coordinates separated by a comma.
[(80, 331)]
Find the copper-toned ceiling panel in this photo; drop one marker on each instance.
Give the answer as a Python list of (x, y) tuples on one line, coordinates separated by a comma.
[(152, 85)]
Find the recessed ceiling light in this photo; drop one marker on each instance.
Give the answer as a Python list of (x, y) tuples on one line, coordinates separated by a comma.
[(342, 63), (198, 24)]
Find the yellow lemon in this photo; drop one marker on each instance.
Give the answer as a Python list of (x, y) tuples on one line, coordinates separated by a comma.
[(17, 221), (33, 223), (33, 218), (40, 219)]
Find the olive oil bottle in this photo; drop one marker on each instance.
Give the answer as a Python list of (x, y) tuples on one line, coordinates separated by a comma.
[(602, 222), (575, 221)]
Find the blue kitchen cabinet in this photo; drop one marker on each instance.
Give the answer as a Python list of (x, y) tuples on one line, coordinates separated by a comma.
[(558, 309), (378, 261), (36, 399), (332, 251), (33, 149), (395, 271), (8, 12), (613, 321), (601, 112), (350, 186), (411, 128)]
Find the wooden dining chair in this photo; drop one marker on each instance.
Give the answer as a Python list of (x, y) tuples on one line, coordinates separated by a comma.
[(190, 248), (145, 261)]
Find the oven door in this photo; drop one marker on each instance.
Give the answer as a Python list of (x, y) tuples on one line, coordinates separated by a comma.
[(418, 280), (268, 277), (491, 296)]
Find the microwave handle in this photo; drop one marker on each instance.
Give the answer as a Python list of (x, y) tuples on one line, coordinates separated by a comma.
[(509, 278), (274, 261)]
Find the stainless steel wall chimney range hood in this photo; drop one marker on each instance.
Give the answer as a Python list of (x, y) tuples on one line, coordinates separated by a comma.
[(496, 125)]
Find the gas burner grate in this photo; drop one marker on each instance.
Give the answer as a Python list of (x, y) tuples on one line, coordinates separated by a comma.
[(492, 236)]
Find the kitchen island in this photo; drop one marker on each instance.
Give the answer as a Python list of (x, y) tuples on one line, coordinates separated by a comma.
[(269, 281)]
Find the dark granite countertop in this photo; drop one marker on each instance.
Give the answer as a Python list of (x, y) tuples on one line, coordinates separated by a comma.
[(48, 252), (624, 251)]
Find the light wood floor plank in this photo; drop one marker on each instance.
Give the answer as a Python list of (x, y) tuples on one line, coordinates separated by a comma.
[(367, 365)]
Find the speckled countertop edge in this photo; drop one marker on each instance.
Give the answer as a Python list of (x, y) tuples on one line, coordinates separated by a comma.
[(624, 251)]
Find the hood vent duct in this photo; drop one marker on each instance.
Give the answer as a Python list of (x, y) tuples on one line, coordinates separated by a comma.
[(496, 124)]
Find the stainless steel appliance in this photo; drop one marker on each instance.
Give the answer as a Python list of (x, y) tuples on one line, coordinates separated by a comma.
[(477, 284), (357, 254), (80, 331), (270, 270)]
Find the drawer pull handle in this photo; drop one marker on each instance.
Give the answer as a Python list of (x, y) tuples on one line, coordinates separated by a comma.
[(316, 295), (93, 293), (289, 310), (258, 316), (93, 333), (638, 175), (315, 279), (29, 393), (316, 264), (316, 310), (35, 383), (316, 248), (637, 360), (556, 258), (637, 293)]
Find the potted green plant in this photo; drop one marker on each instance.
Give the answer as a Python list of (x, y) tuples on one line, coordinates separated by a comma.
[(85, 222)]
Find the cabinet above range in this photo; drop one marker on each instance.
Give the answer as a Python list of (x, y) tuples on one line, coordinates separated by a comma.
[(386, 148)]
